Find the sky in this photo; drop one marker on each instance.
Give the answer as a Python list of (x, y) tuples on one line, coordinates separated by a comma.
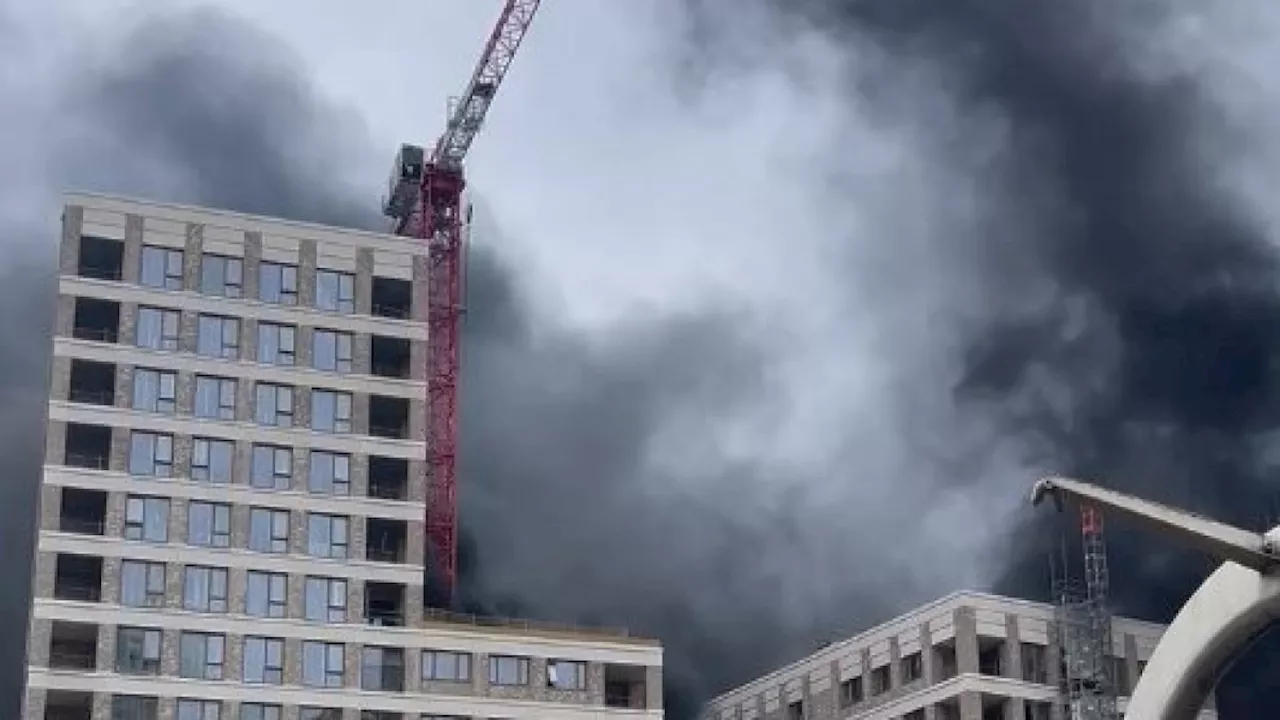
[(777, 309)]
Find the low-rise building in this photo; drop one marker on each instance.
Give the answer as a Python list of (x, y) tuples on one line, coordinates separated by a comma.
[(968, 656)]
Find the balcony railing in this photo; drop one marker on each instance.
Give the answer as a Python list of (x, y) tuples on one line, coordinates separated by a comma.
[(384, 554), (398, 312), (384, 617), (81, 526), (92, 397), (395, 432), (97, 334), (73, 658), (390, 370), (77, 590), (100, 272), (387, 490), (92, 461)]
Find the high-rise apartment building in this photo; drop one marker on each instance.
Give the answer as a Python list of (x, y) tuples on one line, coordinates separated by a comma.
[(233, 495), (967, 656)]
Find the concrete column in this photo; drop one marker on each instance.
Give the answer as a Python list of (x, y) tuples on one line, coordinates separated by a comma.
[(966, 629), (33, 709), (55, 442), (1053, 668), (249, 339), (867, 686), (65, 316), (131, 262), (191, 256), (417, 539), (307, 273), (895, 664), (69, 247), (1130, 664), (45, 573), (360, 414), (304, 339), (233, 658), (364, 281), (252, 264), (417, 360), (417, 480), (652, 687), (188, 330), (418, 309), (970, 705), (101, 706), (106, 659), (1015, 708), (118, 459), (301, 406), (40, 633), (237, 582), (60, 379), (50, 507), (124, 386), (362, 354), (293, 661), (111, 581)]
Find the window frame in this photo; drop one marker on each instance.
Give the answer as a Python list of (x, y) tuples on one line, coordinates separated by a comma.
[(283, 409), (333, 612), (277, 344), (343, 344), (227, 342), (169, 330), (214, 646), (278, 481), (219, 523), (138, 519), (272, 674), (274, 540), (273, 275), (217, 588), (221, 275), (202, 456), (344, 296), (341, 399), (165, 382), (170, 273), (161, 453), (276, 605)]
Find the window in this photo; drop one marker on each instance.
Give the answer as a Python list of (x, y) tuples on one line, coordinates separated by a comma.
[(156, 329), (322, 664), (566, 675), (264, 660), (880, 680), (325, 599), (209, 524), (795, 710), (218, 337), (134, 707), (508, 670), (327, 536), (150, 454), (276, 343), (268, 530), (215, 398), (278, 283), (266, 594), (1034, 666), (222, 276), (138, 651), (315, 713), (335, 291), (850, 692), (382, 668), (272, 467), (199, 709), (449, 666), (331, 350), (200, 656), (161, 268), (274, 405), (331, 411), (146, 518), (204, 589), (912, 667), (141, 584), (257, 711), (330, 473), (155, 390), (211, 460)]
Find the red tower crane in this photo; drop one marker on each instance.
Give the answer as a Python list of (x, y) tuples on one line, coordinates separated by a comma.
[(425, 202)]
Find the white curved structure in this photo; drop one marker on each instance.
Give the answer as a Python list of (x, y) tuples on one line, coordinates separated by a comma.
[(1233, 606)]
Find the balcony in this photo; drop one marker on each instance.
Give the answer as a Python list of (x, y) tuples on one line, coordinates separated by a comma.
[(83, 512), (96, 320), (389, 357), (386, 540), (392, 298), (384, 604), (100, 258), (73, 646), (388, 417), (388, 478), (78, 578), (93, 383), (68, 705), (625, 686), (88, 446)]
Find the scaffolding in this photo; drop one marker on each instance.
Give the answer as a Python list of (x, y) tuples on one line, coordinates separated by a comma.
[(1083, 626)]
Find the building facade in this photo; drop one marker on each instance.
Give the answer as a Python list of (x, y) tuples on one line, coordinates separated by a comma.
[(968, 656), (233, 496)]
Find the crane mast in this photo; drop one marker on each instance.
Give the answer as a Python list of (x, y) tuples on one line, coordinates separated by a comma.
[(424, 201)]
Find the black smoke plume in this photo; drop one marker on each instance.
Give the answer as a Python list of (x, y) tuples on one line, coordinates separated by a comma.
[(1129, 322)]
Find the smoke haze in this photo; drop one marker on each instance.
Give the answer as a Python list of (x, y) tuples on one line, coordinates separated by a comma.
[(1001, 237)]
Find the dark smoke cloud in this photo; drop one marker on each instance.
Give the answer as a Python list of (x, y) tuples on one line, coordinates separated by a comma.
[(562, 515), (1136, 340)]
